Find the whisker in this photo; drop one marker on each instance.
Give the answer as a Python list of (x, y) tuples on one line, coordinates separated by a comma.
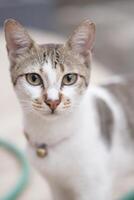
[(37, 105), (25, 101), (66, 107), (27, 108), (66, 103), (38, 109)]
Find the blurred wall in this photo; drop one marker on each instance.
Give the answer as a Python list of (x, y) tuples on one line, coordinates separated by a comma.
[(114, 20)]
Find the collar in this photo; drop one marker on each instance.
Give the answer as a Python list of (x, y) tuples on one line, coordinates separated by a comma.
[(42, 149)]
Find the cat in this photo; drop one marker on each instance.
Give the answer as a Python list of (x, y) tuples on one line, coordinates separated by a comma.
[(79, 137)]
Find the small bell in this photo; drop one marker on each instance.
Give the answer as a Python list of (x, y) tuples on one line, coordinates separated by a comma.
[(41, 151)]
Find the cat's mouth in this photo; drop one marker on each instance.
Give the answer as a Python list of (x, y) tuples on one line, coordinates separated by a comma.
[(53, 113)]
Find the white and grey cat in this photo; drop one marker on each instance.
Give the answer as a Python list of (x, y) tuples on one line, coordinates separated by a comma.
[(80, 138)]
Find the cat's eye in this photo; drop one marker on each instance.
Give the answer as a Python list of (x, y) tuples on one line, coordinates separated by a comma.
[(34, 79), (69, 79)]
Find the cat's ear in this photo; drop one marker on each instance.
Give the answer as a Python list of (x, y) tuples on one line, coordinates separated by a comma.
[(18, 40), (82, 39)]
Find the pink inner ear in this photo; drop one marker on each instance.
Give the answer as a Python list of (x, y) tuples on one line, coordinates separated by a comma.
[(83, 38), (18, 42), (16, 37), (90, 41)]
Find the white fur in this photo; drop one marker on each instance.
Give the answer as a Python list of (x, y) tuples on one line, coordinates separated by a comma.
[(115, 79), (53, 94), (26, 91), (81, 167), (121, 160), (77, 168), (48, 69)]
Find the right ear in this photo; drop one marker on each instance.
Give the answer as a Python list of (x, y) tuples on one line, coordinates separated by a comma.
[(82, 39), (18, 40)]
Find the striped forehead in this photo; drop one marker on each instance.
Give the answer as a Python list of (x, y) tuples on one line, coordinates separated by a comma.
[(50, 71)]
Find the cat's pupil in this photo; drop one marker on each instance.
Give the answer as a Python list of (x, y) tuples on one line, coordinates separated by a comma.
[(69, 78), (34, 78)]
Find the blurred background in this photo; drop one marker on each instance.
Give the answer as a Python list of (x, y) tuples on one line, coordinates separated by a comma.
[(52, 21), (114, 19)]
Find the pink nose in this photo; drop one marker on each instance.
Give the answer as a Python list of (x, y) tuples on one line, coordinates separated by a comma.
[(52, 103)]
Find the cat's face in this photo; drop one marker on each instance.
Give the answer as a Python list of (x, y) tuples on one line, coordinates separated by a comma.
[(50, 80)]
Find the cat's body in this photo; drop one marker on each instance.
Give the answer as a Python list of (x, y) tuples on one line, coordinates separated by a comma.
[(76, 163), (97, 152), (86, 132)]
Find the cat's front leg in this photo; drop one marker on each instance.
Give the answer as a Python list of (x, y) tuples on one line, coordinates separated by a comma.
[(101, 192)]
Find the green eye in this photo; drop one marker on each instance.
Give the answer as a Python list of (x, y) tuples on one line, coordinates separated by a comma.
[(34, 79), (69, 79)]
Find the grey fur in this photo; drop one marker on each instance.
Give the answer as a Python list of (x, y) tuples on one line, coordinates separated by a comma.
[(106, 120)]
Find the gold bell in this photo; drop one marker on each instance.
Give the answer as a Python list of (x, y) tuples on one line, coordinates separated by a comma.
[(41, 151)]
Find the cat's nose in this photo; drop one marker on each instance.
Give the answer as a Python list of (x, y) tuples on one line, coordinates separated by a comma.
[(53, 103)]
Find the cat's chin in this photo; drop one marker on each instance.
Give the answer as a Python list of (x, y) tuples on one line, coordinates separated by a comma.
[(54, 116), (51, 116)]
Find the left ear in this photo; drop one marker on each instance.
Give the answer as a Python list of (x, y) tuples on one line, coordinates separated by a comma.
[(82, 39), (17, 38)]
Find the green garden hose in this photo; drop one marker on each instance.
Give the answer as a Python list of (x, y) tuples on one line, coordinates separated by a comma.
[(129, 196), (24, 177)]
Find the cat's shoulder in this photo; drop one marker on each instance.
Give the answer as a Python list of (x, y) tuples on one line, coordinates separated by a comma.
[(112, 98), (115, 87)]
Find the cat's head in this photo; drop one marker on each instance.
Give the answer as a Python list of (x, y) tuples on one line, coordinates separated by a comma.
[(50, 79)]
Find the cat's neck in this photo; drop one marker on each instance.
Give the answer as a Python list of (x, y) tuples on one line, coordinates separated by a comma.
[(51, 131)]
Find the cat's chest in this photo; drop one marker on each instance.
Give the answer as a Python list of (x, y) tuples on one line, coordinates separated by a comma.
[(60, 159), (75, 152), (70, 163)]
